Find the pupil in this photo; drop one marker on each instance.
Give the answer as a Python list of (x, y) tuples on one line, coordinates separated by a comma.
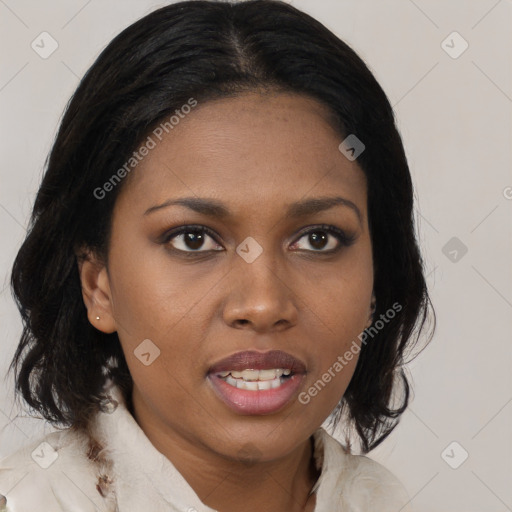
[(317, 241), (194, 240)]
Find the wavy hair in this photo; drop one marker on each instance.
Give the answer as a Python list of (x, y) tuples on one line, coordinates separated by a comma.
[(206, 50)]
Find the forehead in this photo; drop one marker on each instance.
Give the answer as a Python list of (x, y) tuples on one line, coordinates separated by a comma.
[(253, 149)]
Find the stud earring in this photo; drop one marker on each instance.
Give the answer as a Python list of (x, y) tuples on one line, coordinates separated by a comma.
[(97, 318)]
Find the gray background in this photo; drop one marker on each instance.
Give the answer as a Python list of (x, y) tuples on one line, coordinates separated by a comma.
[(455, 118)]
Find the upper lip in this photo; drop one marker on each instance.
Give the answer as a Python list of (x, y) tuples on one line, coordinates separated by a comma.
[(253, 360)]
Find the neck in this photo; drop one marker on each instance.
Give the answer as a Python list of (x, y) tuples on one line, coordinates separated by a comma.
[(222, 483)]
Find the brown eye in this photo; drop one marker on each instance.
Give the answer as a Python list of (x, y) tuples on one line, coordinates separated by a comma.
[(318, 239), (324, 239), (192, 239)]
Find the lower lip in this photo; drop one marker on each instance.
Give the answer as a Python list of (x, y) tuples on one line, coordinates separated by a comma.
[(265, 401)]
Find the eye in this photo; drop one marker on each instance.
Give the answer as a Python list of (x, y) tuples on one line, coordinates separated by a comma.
[(325, 239), (192, 238)]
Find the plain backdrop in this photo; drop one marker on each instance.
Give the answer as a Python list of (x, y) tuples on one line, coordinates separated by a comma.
[(446, 67)]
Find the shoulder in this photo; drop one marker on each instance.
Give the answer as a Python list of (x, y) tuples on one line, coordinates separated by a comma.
[(372, 486), (52, 473), (361, 482)]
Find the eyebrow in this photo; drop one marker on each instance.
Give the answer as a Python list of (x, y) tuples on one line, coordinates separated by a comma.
[(215, 208)]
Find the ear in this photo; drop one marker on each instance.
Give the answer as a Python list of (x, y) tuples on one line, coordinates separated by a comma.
[(96, 291)]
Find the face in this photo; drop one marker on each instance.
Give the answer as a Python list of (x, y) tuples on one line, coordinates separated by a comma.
[(251, 275)]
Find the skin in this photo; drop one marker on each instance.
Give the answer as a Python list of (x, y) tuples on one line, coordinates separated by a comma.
[(257, 153)]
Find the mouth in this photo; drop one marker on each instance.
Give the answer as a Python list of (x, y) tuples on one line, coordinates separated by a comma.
[(253, 383)]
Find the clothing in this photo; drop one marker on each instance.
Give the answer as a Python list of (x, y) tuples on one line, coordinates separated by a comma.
[(131, 475)]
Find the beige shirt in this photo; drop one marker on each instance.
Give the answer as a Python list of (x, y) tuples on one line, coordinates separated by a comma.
[(63, 472)]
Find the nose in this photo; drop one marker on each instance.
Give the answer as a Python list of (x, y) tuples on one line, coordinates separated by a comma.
[(260, 297)]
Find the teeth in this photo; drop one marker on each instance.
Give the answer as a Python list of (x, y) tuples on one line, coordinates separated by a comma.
[(252, 386), (256, 375), (255, 380), (264, 384), (276, 383), (247, 374), (270, 374), (258, 385)]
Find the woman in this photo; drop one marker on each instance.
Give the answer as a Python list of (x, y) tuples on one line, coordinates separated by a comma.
[(221, 257)]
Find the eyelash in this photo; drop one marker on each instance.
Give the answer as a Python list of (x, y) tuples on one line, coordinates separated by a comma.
[(343, 238)]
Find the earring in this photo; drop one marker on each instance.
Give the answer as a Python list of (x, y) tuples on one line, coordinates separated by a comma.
[(97, 318)]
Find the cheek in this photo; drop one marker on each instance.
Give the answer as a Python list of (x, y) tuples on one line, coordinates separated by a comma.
[(343, 303), (150, 294), (342, 312), (331, 375), (346, 314), (156, 305)]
